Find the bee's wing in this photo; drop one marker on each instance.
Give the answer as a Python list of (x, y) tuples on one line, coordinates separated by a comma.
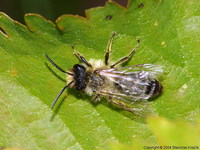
[(154, 70), (139, 108), (129, 84)]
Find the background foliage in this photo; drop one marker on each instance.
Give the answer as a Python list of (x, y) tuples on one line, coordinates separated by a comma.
[(50, 9), (169, 33)]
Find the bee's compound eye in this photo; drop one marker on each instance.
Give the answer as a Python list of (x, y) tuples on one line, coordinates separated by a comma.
[(79, 68)]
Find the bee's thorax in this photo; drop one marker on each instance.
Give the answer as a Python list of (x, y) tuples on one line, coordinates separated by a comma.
[(95, 81)]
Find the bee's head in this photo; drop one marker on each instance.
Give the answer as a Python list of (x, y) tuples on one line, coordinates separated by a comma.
[(79, 77)]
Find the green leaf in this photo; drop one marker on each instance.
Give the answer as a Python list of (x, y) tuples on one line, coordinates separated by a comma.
[(169, 34), (169, 135)]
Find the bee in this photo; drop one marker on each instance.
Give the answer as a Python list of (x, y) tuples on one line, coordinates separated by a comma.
[(128, 88)]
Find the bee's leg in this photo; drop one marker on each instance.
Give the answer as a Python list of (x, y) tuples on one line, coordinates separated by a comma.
[(81, 57), (126, 58), (123, 105), (96, 98), (107, 55)]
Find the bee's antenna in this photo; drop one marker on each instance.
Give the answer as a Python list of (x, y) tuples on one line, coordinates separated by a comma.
[(53, 63), (57, 97)]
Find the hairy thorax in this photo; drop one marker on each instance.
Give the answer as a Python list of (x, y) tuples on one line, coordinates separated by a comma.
[(94, 79)]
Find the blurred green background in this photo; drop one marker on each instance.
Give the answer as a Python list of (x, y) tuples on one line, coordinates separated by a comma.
[(50, 9)]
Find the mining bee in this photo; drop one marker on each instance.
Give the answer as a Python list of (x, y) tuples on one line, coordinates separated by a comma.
[(126, 87)]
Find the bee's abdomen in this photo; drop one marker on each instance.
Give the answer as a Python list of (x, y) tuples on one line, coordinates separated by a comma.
[(154, 88)]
